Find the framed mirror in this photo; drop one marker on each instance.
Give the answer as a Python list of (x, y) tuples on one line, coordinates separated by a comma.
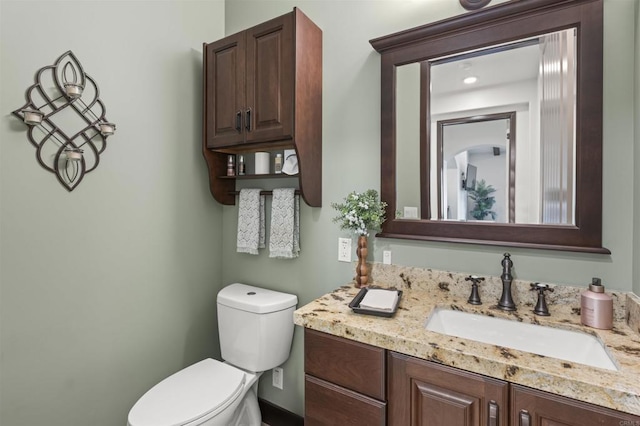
[(492, 127)]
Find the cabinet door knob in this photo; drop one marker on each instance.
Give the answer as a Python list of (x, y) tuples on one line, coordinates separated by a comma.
[(248, 123), (525, 418), (494, 411), (239, 121)]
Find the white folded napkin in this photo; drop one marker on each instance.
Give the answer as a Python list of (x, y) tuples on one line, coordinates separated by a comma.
[(379, 299)]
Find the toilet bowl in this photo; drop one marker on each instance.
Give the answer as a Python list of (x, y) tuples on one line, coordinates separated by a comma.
[(256, 330), (207, 393)]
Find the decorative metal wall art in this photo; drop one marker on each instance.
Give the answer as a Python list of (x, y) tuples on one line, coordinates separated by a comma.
[(66, 119)]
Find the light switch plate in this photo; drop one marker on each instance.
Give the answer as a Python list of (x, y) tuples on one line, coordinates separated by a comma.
[(386, 257), (344, 249)]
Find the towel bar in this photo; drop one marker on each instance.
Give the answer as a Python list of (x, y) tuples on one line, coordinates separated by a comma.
[(262, 192)]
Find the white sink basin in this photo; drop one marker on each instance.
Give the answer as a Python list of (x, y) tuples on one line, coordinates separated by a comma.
[(567, 345)]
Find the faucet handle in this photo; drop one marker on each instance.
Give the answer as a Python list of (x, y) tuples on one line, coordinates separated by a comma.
[(541, 288), (474, 279), (541, 306), (474, 298)]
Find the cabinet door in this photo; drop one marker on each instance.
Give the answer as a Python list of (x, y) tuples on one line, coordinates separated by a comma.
[(327, 404), (423, 393), (225, 91), (531, 407), (270, 81)]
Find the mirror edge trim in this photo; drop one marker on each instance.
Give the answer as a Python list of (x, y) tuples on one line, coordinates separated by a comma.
[(510, 9), (497, 243)]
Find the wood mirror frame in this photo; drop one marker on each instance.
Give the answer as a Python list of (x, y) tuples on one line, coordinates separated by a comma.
[(502, 23)]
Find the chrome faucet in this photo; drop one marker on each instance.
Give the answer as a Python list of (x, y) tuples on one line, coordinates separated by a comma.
[(506, 300)]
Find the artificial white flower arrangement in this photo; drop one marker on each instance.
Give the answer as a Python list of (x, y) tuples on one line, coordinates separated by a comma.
[(361, 212)]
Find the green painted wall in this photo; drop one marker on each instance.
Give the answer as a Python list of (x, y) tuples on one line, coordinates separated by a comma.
[(351, 161), (108, 289), (636, 225)]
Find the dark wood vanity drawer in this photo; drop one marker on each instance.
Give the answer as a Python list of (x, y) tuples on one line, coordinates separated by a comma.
[(350, 364), (327, 404)]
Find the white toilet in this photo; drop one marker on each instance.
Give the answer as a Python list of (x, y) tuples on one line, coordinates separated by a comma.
[(256, 330)]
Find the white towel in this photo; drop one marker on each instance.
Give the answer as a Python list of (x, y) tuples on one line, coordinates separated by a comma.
[(284, 236), (250, 221), (380, 300)]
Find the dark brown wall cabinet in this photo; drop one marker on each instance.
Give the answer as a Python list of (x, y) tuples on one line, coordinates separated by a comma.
[(263, 91), (345, 385), (344, 382)]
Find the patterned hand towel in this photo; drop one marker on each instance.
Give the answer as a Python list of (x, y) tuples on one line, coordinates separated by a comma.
[(250, 221), (284, 237)]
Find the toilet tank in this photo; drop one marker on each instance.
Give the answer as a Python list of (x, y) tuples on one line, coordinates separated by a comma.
[(255, 326)]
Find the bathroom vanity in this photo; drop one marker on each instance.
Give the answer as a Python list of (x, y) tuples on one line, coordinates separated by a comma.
[(369, 370)]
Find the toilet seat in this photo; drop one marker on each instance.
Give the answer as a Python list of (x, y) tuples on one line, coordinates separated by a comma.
[(201, 390)]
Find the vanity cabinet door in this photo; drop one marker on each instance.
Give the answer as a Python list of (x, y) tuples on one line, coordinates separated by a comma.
[(424, 393), (531, 407)]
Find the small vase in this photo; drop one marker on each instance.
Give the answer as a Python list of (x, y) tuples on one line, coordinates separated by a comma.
[(362, 271)]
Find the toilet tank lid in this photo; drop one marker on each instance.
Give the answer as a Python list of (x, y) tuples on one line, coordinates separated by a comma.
[(255, 299)]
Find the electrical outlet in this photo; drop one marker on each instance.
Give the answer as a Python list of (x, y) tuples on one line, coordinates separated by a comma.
[(386, 257), (278, 377), (344, 249), (410, 213)]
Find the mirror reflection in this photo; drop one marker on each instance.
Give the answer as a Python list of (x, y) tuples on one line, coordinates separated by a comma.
[(408, 95), (504, 113), (477, 164)]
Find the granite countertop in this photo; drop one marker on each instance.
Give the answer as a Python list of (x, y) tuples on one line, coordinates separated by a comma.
[(425, 290)]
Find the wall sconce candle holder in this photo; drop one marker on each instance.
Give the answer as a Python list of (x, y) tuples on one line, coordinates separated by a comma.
[(64, 113)]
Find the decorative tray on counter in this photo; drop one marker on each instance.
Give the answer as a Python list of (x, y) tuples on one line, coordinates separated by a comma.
[(355, 304)]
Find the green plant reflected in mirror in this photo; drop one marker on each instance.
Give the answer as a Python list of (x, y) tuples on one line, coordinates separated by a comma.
[(483, 201)]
